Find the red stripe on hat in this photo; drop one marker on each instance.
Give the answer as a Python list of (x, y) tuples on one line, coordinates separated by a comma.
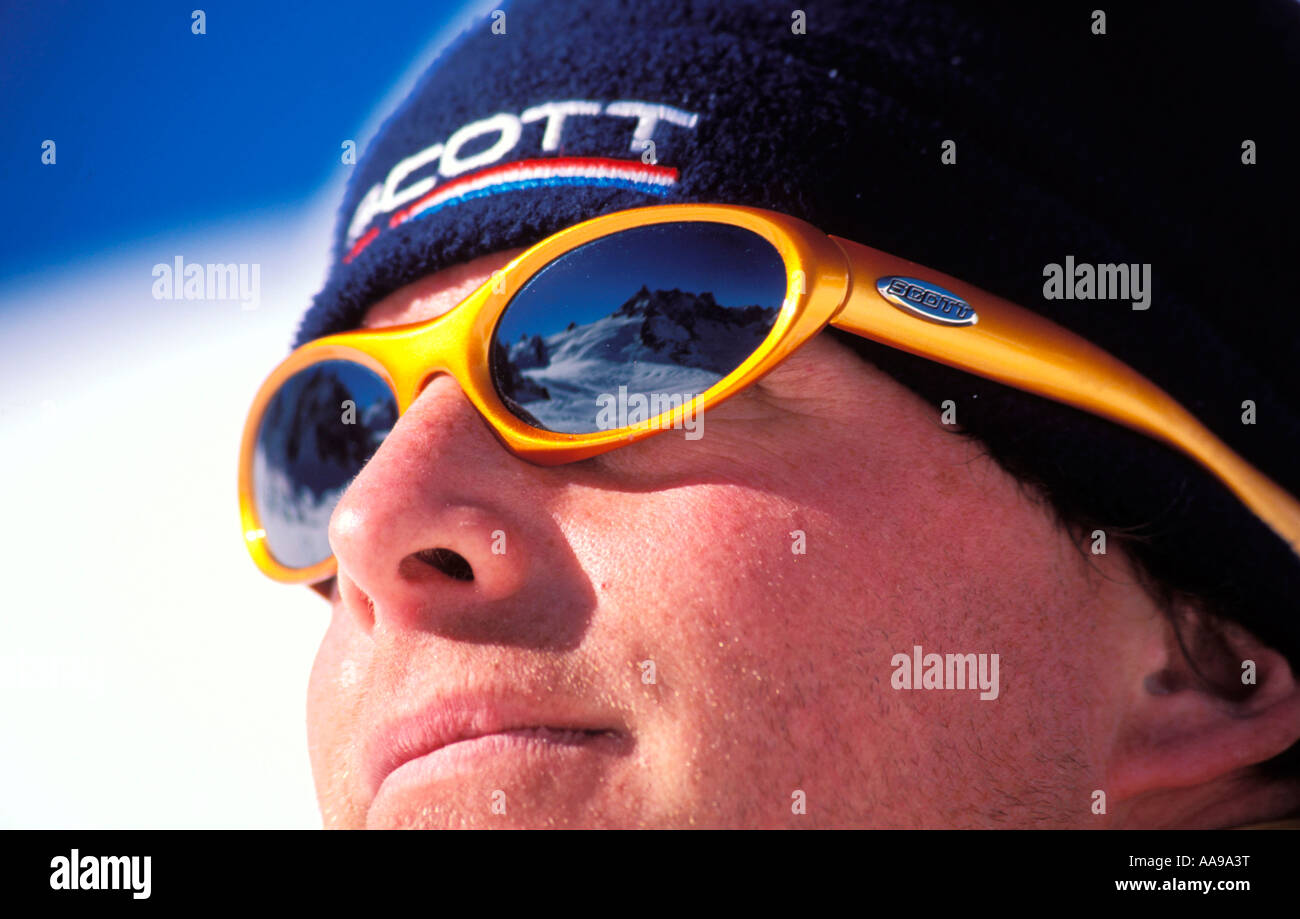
[(361, 244), (544, 167)]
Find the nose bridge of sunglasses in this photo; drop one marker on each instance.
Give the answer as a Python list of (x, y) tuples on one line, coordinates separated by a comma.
[(415, 353)]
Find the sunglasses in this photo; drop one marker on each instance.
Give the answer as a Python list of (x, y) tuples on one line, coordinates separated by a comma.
[(633, 323)]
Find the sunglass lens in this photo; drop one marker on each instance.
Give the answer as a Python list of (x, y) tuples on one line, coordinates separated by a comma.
[(648, 317), (318, 430)]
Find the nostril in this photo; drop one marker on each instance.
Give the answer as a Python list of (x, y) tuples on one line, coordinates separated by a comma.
[(450, 563)]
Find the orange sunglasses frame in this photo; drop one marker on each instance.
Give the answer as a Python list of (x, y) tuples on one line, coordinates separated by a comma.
[(831, 281)]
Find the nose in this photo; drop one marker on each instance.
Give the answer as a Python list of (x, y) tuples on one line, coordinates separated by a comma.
[(441, 531)]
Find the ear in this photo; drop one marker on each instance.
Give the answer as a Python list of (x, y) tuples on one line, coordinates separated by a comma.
[(1182, 732)]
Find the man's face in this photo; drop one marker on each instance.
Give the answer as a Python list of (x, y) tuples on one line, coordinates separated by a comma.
[(700, 632)]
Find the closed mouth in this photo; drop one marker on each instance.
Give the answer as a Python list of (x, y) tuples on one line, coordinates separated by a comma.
[(443, 741)]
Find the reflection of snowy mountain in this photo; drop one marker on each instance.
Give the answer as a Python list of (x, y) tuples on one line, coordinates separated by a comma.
[(666, 341), (296, 521), (308, 451)]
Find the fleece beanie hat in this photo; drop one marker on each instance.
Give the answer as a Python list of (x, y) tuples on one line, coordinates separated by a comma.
[(986, 141)]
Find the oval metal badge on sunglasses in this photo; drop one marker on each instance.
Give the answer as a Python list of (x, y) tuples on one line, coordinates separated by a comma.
[(929, 301)]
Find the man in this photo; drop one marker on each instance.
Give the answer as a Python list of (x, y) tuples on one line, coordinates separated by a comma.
[(875, 591)]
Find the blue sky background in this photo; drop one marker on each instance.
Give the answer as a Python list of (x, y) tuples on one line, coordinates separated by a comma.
[(577, 288), (157, 127)]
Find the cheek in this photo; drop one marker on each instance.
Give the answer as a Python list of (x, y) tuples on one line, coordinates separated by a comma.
[(772, 613), (333, 696), (747, 606)]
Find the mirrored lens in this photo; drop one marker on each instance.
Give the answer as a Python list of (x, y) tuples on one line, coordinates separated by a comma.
[(631, 324), (319, 429)]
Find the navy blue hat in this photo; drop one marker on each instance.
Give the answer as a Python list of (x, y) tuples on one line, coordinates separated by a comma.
[(1118, 147)]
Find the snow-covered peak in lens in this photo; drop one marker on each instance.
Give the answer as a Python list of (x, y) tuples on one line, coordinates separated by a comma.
[(662, 341)]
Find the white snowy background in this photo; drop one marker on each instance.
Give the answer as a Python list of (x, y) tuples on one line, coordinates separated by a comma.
[(149, 675)]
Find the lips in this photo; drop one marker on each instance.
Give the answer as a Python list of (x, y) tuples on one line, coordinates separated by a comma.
[(454, 725)]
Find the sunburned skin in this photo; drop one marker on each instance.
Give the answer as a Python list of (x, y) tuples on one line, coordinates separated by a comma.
[(701, 632)]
